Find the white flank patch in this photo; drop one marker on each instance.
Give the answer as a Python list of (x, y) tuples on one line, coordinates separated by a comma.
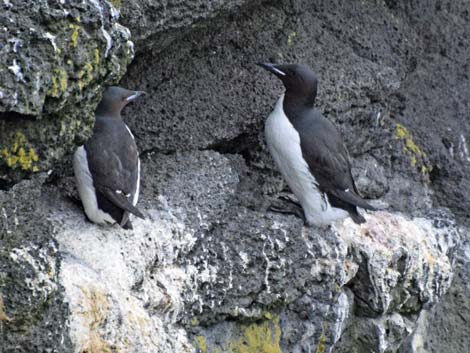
[(130, 132), (137, 188), (284, 144), (86, 189), (464, 149)]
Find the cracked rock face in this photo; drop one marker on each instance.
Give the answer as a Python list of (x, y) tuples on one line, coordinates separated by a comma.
[(210, 269)]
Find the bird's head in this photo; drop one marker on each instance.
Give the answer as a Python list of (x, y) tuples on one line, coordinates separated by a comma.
[(298, 79), (115, 99)]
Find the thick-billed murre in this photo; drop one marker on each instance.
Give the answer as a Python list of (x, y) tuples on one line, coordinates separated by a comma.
[(310, 152), (107, 167)]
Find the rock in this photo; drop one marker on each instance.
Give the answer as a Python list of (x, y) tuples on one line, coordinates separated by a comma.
[(370, 178), (355, 288), (197, 267), (152, 23), (444, 327), (210, 269), (117, 290), (55, 59)]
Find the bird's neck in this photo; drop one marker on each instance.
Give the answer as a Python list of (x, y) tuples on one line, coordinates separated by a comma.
[(294, 105), (110, 113)]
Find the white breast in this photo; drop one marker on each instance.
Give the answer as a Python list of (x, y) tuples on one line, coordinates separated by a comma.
[(283, 142), (86, 189)]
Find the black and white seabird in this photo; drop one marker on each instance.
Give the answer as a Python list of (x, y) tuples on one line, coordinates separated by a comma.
[(107, 167), (310, 152)]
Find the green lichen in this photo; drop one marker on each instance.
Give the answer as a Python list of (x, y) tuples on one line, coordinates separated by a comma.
[(262, 337), (85, 76), (75, 34), (59, 83), (96, 57), (268, 315), (321, 347), (20, 155), (116, 3), (290, 38), (201, 344), (411, 148)]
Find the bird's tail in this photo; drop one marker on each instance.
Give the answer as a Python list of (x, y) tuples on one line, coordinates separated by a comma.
[(353, 199), (357, 217)]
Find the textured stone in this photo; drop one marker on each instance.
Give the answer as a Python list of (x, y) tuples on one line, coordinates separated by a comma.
[(355, 287), (200, 266), (55, 58), (160, 22), (210, 267)]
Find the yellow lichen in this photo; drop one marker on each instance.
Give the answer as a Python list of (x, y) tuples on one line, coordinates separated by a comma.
[(54, 90), (96, 54), (75, 34), (96, 344), (59, 83), (259, 337), (3, 315), (20, 154), (116, 3), (426, 170), (85, 76), (321, 347), (95, 314), (201, 344), (410, 147), (290, 38), (63, 80)]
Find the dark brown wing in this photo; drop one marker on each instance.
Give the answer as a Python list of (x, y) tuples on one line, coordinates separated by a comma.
[(328, 159), (113, 162)]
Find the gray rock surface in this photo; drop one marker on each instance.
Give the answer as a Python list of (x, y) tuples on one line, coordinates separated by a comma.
[(202, 265), (156, 25), (55, 58), (210, 270)]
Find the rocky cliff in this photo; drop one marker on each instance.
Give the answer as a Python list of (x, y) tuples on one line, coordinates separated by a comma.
[(211, 269)]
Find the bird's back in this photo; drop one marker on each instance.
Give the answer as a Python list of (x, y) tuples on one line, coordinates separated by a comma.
[(113, 161)]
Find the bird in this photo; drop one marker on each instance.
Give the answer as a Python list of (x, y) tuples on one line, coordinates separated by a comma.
[(107, 166), (310, 152)]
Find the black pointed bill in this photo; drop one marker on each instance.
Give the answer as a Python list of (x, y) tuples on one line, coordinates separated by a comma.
[(272, 68), (134, 96)]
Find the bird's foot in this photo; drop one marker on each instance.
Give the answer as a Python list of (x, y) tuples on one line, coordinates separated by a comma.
[(273, 185), (293, 209), (290, 198), (75, 200)]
